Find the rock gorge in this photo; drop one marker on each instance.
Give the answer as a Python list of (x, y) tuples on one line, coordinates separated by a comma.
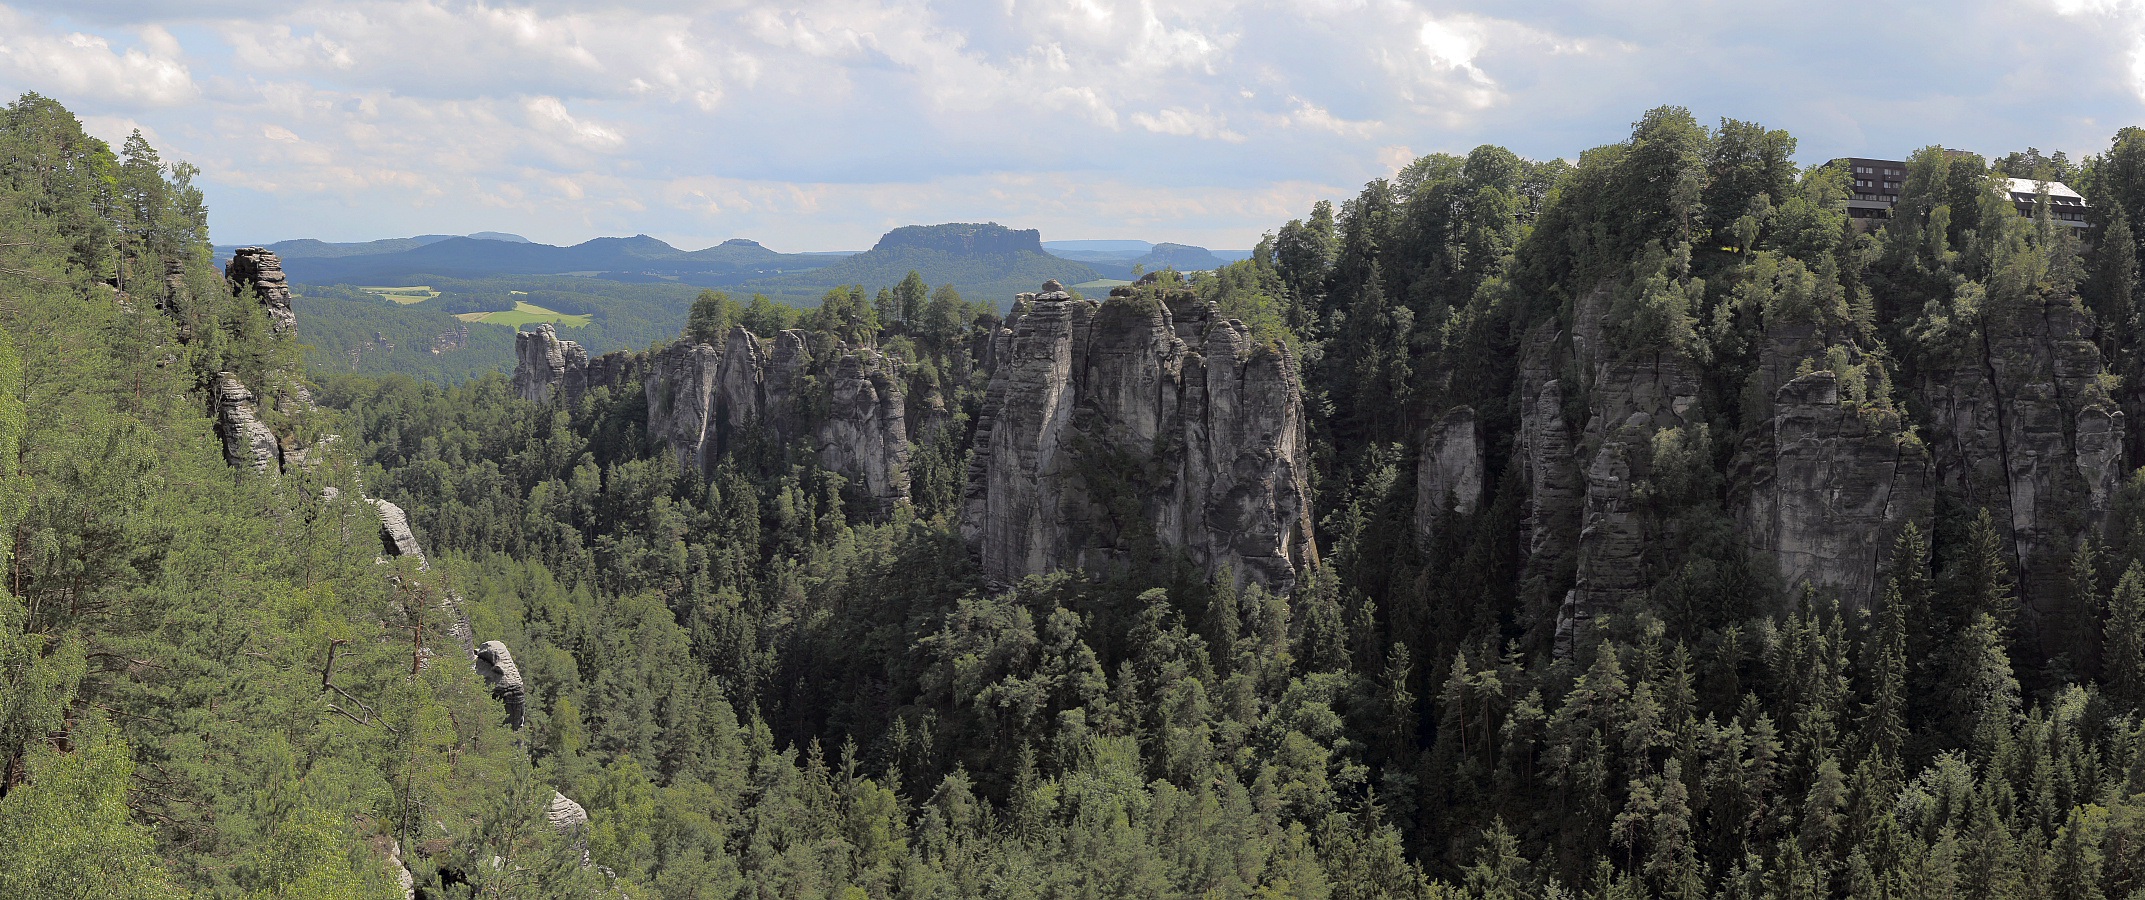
[(1145, 421)]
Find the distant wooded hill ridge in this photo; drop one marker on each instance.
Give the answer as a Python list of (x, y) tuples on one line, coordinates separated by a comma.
[(634, 291), (982, 260), (627, 259)]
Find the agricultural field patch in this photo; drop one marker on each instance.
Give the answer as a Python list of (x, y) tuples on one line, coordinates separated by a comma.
[(403, 295), (524, 313)]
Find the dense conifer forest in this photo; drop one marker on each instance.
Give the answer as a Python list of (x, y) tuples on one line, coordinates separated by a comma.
[(758, 685)]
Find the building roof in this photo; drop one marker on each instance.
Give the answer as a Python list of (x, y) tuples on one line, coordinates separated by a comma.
[(2055, 188)]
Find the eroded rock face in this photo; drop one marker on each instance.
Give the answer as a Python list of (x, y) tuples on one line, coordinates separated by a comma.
[(1634, 395), (1448, 475), (1134, 421), (2021, 423), (1832, 487), (1826, 481), (681, 398), (550, 369), (504, 678), (396, 540), (247, 441), (704, 401), (546, 366), (865, 434), (564, 814), (1548, 458), (262, 269)]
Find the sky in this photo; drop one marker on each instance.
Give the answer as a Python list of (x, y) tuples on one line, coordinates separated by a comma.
[(821, 125)]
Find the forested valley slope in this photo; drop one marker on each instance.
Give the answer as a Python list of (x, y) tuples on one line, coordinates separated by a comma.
[(1638, 527)]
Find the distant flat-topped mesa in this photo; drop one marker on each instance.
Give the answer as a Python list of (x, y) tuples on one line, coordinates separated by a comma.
[(704, 399), (1143, 425), (957, 237)]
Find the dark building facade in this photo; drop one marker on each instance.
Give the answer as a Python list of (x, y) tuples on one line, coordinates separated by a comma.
[(1876, 185)]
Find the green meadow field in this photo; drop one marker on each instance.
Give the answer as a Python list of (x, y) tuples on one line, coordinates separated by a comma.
[(403, 295), (524, 313)]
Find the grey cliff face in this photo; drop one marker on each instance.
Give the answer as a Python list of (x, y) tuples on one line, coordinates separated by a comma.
[(1834, 487), (1548, 460), (1448, 475), (547, 367), (396, 540), (681, 397), (865, 433), (1104, 426), (2022, 424), (703, 400), (262, 269), (1633, 396), (496, 665), (550, 369), (1830, 484), (2013, 413)]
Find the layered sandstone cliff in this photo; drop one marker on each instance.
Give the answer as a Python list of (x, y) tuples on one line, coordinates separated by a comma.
[(705, 400), (2022, 423), (247, 442), (550, 369), (1631, 396), (1828, 480), (263, 271), (1146, 422), (1449, 473)]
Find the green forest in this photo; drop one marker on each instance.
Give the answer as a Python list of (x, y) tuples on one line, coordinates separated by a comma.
[(213, 684)]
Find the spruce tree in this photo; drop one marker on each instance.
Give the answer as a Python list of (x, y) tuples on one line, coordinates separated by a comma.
[(2124, 654)]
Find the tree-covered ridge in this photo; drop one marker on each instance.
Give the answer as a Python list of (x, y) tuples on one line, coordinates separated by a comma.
[(206, 682)]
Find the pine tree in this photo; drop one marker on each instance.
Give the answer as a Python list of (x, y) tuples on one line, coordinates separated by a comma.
[(1884, 725), (2124, 654)]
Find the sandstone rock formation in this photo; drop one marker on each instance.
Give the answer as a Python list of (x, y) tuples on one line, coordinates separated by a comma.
[(547, 367), (1548, 459), (264, 271), (563, 814), (395, 536), (865, 435), (2022, 423), (1143, 420), (451, 340), (703, 400), (247, 442), (680, 386), (503, 677), (1632, 395), (1826, 481), (1832, 487), (1448, 474)]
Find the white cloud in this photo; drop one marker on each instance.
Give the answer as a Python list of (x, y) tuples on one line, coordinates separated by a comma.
[(1452, 45), (842, 117), (551, 116), (1186, 123), (2127, 16), (76, 64)]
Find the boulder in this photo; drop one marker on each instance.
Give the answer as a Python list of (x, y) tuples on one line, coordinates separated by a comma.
[(500, 674)]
